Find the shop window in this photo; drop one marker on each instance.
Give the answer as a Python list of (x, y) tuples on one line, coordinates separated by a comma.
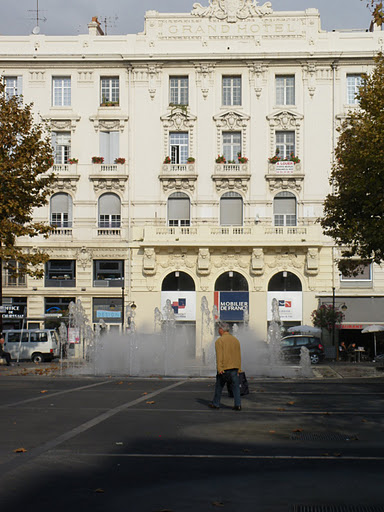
[(60, 273), (108, 273)]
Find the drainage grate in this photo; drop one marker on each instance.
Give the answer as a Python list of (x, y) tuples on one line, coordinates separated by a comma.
[(322, 436), (337, 508)]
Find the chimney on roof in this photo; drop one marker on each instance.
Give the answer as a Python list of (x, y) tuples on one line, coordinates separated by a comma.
[(94, 27)]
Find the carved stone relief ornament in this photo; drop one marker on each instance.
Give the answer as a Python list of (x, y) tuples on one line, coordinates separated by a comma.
[(257, 262), (257, 76), (309, 74), (84, 257), (204, 77), (285, 120), (179, 120), (231, 121), (103, 124), (66, 183), (232, 10), (149, 261), (110, 183), (67, 124), (312, 261), (204, 262)]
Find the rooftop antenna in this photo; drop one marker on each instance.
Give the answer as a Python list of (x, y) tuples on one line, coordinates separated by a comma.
[(108, 21), (36, 29)]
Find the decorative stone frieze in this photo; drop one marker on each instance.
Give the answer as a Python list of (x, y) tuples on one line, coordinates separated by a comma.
[(109, 183), (149, 261), (68, 183), (103, 123), (231, 177), (232, 10), (204, 262), (278, 181)]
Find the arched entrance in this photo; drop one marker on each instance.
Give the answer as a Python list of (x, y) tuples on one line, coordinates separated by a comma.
[(179, 287), (286, 288), (231, 297)]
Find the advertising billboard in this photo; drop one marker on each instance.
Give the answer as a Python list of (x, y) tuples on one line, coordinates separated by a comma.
[(290, 305), (183, 304), (232, 305)]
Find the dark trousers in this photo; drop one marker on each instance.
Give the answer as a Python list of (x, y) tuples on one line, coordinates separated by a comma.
[(6, 356), (231, 376)]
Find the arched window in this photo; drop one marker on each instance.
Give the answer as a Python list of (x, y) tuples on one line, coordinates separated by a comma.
[(231, 282), (178, 281), (285, 282), (284, 209), (109, 211), (61, 210), (231, 209), (179, 209)]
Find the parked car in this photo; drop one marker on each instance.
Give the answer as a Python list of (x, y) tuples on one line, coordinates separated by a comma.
[(291, 348)]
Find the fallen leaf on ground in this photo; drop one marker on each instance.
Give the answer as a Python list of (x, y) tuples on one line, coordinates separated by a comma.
[(298, 430), (121, 382), (44, 391), (145, 393), (272, 431), (217, 503), (291, 403), (280, 409), (20, 450), (150, 402), (336, 454), (364, 421), (100, 491)]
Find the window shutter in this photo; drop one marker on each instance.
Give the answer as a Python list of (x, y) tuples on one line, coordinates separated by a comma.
[(178, 208), (109, 204), (113, 147), (285, 206), (231, 211), (104, 146)]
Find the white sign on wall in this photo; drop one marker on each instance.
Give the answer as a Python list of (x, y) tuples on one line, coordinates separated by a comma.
[(183, 304), (290, 305), (285, 167)]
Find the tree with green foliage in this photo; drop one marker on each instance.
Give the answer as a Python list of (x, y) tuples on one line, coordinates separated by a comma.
[(377, 9), (25, 161), (354, 212)]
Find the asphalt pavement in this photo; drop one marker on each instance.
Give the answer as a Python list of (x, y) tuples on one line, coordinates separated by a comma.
[(151, 445)]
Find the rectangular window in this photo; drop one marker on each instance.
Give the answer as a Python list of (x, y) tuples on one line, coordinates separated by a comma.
[(13, 86), (13, 274), (61, 91), (108, 273), (61, 142), (285, 90), (231, 90), (231, 146), (60, 273), (110, 91), (353, 84), (178, 90), (285, 143), (179, 147), (364, 274), (109, 146)]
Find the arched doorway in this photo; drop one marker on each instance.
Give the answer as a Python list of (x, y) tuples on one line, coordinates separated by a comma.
[(179, 287), (286, 288), (231, 297)]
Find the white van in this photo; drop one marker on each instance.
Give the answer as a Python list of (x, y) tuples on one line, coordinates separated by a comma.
[(37, 345)]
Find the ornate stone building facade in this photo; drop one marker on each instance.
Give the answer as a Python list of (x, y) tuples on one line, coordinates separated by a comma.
[(216, 130)]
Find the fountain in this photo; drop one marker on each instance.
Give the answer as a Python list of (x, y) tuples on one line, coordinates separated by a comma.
[(164, 352)]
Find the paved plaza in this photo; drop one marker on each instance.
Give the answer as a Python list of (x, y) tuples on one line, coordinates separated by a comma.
[(151, 445)]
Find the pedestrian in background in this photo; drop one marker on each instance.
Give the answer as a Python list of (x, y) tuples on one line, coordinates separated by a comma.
[(3, 354), (228, 363)]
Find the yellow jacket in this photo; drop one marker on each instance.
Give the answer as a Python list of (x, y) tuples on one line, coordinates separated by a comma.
[(228, 354)]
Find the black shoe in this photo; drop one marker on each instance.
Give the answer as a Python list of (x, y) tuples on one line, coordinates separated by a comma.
[(213, 406), (237, 408)]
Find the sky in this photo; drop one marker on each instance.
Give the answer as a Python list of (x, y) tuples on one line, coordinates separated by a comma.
[(71, 17)]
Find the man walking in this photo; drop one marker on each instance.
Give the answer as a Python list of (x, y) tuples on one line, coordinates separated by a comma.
[(3, 354), (228, 362)]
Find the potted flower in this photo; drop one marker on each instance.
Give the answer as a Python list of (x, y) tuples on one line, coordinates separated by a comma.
[(73, 161), (119, 160), (293, 158), (97, 159), (221, 159), (275, 158), (167, 160), (242, 159), (190, 160)]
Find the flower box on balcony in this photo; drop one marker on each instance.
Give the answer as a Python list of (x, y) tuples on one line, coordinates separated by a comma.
[(73, 161), (190, 160), (109, 104), (120, 161), (97, 159), (167, 160), (221, 159)]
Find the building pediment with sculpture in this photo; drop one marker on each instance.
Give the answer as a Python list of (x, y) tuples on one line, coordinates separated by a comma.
[(237, 19)]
